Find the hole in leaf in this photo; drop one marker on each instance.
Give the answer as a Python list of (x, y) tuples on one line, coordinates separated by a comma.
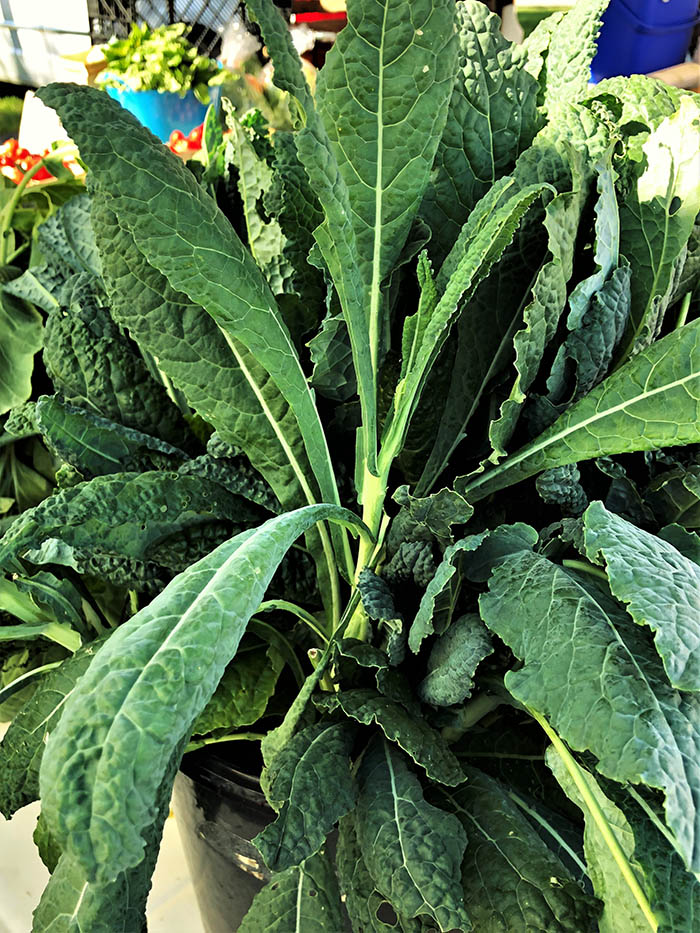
[(385, 913), (675, 205), (313, 892), (261, 212), (273, 887)]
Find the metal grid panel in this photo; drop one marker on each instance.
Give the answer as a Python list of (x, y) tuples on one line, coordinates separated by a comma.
[(207, 18), (110, 18)]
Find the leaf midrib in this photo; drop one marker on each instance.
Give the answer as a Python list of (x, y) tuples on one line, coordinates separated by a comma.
[(375, 290), (587, 597), (397, 820), (530, 451)]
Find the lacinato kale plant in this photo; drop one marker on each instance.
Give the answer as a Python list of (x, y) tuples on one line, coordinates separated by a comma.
[(378, 451)]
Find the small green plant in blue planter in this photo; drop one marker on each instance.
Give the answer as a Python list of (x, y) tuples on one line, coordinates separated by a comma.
[(160, 77)]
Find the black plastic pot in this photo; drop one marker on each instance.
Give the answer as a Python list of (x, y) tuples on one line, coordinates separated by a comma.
[(219, 810)]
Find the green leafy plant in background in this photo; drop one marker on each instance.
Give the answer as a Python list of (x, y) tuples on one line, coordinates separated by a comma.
[(10, 116), (29, 224), (160, 59), (454, 313)]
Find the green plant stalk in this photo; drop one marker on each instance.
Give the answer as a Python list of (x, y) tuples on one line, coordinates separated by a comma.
[(652, 817), (685, 307), (20, 604), (270, 633), (469, 715), (585, 567), (374, 489), (518, 801), (63, 635), (374, 492), (24, 680), (214, 740), (8, 211), (300, 613), (599, 819)]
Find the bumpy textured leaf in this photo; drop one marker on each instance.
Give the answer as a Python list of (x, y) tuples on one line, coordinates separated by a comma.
[(236, 474), (561, 486), (293, 202), (371, 145), (482, 347), (437, 512), (492, 118), (571, 49), (645, 103), (303, 899), (621, 912), (55, 597), (536, 48), (298, 786), (412, 850), (415, 736), (438, 601), (650, 402), (591, 348), (364, 903), (124, 515), (690, 274), (378, 603), (67, 238), (96, 446), (453, 660), (487, 232), (38, 285), (376, 596), (599, 305), (281, 214), (674, 893), (243, 692), (49, 852), (674, 496), (657, 215), (512, 881), (548, 299), (91, 362), (21, 337), (331, 354), (143, 692), (588, 669), (336, 236), (687, 542), (206, 260), (192, 351), (23, 744), (399, 48), (71, 904), (486, 328), (658, 585)]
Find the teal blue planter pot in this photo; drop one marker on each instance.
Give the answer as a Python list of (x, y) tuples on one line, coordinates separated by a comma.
[(161, 111)]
